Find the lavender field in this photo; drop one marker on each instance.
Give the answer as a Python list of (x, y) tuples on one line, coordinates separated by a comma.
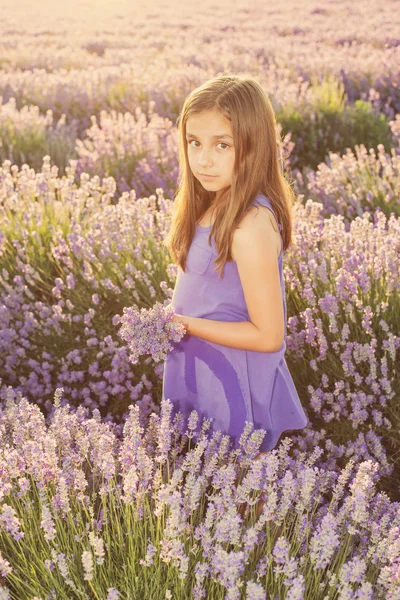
[(103, 495)]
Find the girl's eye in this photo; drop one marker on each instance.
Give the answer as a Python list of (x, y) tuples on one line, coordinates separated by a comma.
[(223, 144)]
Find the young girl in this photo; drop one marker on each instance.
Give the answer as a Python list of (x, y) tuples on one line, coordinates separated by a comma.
[(230, 291)]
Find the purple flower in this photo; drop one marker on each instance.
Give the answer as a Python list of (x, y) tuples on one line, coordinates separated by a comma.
[(149, 331)]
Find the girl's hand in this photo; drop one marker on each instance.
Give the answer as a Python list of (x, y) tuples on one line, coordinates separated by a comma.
[(181, 319)]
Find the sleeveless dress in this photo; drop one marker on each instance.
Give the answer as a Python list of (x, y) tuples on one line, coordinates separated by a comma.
[(229, 385)]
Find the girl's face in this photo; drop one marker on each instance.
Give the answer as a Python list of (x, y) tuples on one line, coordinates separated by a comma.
[(210, 149)]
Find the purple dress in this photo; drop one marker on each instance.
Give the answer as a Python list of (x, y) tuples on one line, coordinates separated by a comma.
[(227, 384)]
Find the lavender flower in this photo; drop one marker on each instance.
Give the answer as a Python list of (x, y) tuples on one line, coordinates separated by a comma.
[(5, 567), (87, 562), (324, 542), (255, 591), (149, 331), (4, 594)]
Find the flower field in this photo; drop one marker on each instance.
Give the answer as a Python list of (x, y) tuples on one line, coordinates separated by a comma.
[(103, 494)]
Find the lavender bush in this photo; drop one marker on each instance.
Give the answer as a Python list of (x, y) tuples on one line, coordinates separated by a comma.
[(327, 122), (69, 287), (26, 136), (140, 155), (78, 501), (356, 182), (346, 333)]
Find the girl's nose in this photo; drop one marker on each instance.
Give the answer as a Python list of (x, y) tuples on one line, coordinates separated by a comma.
[(204, 158)]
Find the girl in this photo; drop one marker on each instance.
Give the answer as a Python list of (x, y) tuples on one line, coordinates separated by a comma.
[(230, 291)]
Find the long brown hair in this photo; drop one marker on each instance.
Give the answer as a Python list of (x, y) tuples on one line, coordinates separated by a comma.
[(258, 168)]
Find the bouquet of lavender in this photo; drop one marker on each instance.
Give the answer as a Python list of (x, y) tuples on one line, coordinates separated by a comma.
[(150, 331)]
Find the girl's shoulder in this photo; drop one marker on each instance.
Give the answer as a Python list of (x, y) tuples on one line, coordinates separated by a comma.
[(262, 200), (253, 219)]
